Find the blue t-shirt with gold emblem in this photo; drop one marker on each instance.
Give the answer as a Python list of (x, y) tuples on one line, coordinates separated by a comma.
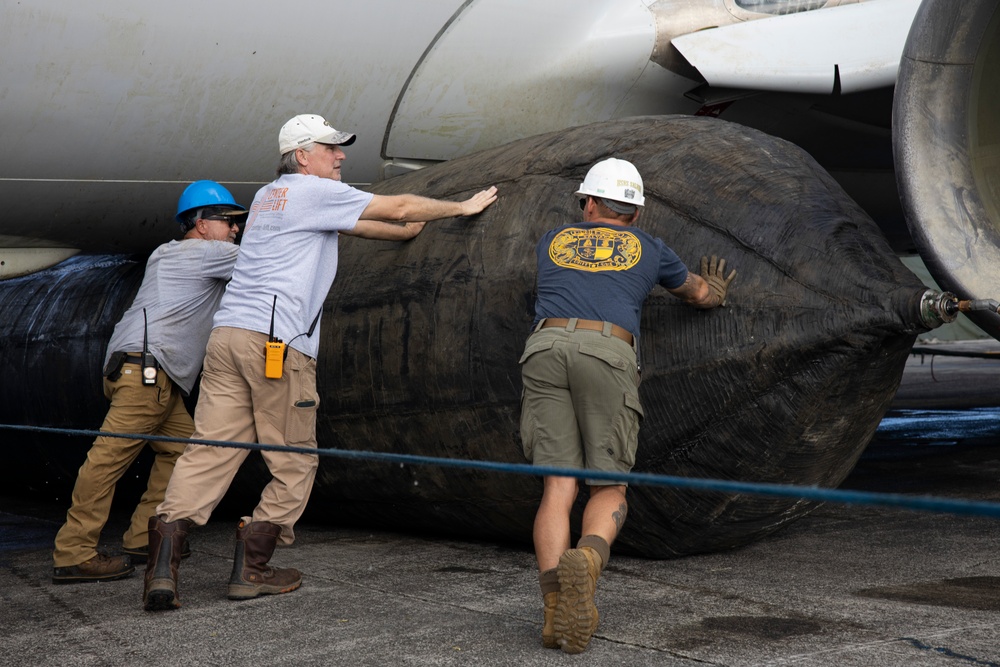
[(596, 271)]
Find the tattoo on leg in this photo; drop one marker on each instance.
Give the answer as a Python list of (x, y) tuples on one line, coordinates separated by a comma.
[(619, 517)]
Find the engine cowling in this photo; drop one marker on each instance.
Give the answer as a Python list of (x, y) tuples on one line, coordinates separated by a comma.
[(946, 141)]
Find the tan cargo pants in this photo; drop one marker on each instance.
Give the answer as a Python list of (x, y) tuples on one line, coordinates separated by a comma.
[(237, 403), (134, 408)]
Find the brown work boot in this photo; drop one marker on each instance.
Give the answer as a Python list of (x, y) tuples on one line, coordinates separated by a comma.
[(140, 555), (166, 543), (548, 615), (98, 568), (575, 618), (255, 542)]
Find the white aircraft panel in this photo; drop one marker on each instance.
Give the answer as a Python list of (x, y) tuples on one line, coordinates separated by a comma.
[(560, 63), (142, 91), (108, 109), (798, 52)]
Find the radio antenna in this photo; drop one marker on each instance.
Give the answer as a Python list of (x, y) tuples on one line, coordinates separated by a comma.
[(270, 336)]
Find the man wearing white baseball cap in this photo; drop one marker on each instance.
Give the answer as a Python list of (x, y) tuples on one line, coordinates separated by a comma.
[(309, 128), (286, 266)]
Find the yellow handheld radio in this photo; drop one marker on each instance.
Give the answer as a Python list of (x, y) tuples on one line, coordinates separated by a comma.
[(274, 350)]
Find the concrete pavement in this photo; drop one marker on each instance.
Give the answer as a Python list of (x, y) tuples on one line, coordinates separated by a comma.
[(843, 586)]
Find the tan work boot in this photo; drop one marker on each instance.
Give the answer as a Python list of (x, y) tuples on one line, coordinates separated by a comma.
[(255, 542), (575, 618), (166, 545), (548, 615), (98, 568)]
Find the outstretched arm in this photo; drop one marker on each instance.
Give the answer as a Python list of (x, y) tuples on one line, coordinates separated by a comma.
[(708, 291), (413, 208), (385, 231), (694, 292)]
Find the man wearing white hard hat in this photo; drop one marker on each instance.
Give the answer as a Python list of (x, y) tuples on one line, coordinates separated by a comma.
[(581, 404), (259, 382)]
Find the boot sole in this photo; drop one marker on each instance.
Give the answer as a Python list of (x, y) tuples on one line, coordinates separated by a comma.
[(88, 578), (249, 592), (548, 614), (576, 616), (162, 598)]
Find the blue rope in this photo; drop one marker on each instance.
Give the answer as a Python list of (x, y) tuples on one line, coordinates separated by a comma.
[(923, 503)]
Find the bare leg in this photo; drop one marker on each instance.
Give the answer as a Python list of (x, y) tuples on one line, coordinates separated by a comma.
[(605, 512), (551, 531)]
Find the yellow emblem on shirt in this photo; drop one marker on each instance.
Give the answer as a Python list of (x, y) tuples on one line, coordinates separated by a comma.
[(597, 249)]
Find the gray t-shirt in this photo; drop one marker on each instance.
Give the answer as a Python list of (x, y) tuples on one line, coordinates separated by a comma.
[(289, 250), (180, 291)]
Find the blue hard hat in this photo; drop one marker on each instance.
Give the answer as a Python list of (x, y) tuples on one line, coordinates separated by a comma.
[(204, 193)]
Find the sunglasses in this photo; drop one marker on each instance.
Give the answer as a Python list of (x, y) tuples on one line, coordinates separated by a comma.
[(229, 220)]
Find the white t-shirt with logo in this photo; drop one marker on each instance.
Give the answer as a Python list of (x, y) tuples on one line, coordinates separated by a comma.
[(289, 250)]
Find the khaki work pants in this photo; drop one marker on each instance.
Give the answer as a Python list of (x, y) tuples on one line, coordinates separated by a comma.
[(237, 403), (134, 408)]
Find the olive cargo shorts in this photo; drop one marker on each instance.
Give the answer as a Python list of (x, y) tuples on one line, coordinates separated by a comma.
[(580, 407)]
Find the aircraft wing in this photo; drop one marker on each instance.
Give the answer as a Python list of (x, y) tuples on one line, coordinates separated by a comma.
[(851, 48)]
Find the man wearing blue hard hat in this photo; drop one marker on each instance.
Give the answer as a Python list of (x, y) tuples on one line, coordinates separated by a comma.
[(152, 362)]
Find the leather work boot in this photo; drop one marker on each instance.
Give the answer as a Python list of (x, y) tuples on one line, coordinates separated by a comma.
[(255, 542), (98, 568), (548, 615), (140, 555), (166, 540), (575, 618)]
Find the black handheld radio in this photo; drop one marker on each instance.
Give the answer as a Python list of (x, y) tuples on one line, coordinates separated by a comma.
[(148, 360)]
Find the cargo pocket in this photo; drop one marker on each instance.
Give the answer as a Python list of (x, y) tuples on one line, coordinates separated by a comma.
[(302, 422), (532, 348), (527, 429), (631, 419), (610, 357), (300, 427)]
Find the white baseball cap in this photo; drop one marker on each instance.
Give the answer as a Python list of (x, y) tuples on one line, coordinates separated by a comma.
[(309, 128)]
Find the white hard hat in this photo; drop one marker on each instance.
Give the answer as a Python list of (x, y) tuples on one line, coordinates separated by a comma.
[(614, 179)]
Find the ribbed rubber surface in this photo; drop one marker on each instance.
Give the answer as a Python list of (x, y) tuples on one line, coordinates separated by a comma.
[(420, 342)]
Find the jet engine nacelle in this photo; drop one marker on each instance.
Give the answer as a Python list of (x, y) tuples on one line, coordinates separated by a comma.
[(946, 138)]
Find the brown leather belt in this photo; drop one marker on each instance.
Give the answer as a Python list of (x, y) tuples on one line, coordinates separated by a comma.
[(589, 325)]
